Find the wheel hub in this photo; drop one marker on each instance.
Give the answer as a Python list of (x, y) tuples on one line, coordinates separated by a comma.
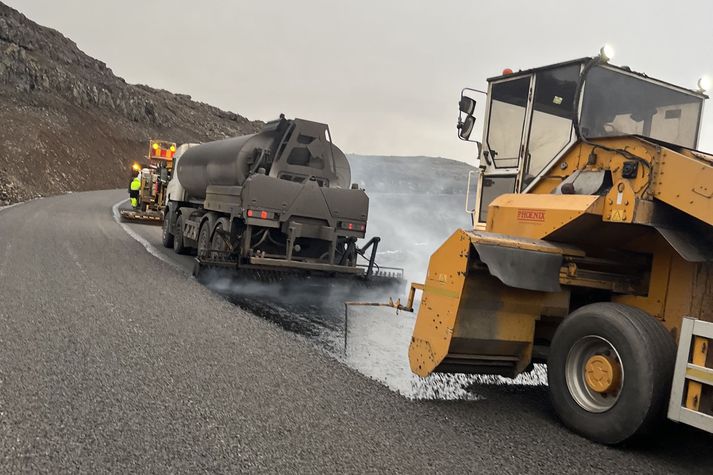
[(594, 373), (602, 373)]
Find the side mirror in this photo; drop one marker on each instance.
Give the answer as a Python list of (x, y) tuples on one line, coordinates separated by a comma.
[(466, 105), (466, 114), (465, 127)]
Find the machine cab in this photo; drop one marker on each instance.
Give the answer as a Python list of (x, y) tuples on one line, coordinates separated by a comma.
[(534, 117)]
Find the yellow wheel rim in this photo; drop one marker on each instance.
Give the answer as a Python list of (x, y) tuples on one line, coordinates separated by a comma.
[(601, 373)]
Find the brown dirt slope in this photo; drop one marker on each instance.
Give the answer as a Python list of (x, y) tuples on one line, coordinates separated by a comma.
[(67, 123)]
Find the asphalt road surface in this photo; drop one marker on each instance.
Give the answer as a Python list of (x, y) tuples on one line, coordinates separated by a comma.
[(112, 359)]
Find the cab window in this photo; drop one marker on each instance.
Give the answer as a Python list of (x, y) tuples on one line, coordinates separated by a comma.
[(494, 186), (616, 103), (506, 121), (552, 111)]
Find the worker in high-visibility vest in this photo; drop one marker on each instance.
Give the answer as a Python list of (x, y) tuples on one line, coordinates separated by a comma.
[(134, 191)]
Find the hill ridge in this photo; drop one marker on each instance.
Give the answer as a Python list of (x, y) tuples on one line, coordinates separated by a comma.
[(69, 123)]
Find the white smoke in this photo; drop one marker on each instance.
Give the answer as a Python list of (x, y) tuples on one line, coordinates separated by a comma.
[(415, 205)]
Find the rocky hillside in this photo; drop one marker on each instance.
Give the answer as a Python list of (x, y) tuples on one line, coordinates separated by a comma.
[(68, 123)]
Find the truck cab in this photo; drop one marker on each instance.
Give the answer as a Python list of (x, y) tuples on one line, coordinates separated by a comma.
[(535, 117)]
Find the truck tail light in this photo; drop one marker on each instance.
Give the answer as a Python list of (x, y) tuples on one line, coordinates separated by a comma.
[(352, 226), (260, 214)]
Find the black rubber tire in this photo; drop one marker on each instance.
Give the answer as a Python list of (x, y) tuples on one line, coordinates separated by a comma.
[(166, 235), (647, 352), (178, 246), (217, 241), (204, 241)]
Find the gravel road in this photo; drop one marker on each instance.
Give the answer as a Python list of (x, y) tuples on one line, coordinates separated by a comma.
[(114, 360)]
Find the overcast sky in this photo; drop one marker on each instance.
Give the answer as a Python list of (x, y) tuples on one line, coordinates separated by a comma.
[(385, 75)]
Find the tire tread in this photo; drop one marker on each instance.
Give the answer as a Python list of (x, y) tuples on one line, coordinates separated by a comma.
[(652, 337)]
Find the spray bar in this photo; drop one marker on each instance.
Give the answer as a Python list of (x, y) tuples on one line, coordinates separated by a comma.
[(408, 307)]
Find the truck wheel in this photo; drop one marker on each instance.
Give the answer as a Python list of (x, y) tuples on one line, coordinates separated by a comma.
[(166, 236), (610, 370), (178, 246), (218, 242), (204, 239)]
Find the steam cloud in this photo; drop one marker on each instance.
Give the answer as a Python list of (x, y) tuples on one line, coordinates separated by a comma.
[(416, 203)]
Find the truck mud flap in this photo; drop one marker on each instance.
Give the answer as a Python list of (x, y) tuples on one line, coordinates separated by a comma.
[(523, 269)]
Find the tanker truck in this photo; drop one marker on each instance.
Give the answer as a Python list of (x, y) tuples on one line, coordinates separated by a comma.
[(275, 202)]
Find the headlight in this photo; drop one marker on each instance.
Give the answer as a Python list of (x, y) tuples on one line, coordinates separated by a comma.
[(606, 52)]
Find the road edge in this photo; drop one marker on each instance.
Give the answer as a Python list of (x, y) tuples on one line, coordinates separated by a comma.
[(7, 207), (141, 240)]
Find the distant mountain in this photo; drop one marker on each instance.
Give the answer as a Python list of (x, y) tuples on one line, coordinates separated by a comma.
[(68, 123), (421, 175)]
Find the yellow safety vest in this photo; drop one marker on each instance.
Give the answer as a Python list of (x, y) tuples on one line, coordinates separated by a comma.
[(135, 184)]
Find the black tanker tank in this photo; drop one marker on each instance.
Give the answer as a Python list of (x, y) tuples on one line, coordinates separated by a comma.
[(280, 199), (287, 149)]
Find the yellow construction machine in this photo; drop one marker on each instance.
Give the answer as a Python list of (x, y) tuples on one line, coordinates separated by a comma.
[(591, 250), (153, 176)]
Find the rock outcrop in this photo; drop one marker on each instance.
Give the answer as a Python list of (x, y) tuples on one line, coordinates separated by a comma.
[(67, 123)]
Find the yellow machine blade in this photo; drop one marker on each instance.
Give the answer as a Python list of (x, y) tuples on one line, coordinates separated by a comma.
[(442, 296), (469, 320)]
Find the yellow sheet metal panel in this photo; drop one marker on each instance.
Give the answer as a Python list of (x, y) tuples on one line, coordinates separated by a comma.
[(677, 288), (686, 183), (495, 321), (514, 242), (620, 203), (654, 302), (536, 216), (679, 293), (439, 304), (594, 157), (574, 159), (699, 355), (469, 315)]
